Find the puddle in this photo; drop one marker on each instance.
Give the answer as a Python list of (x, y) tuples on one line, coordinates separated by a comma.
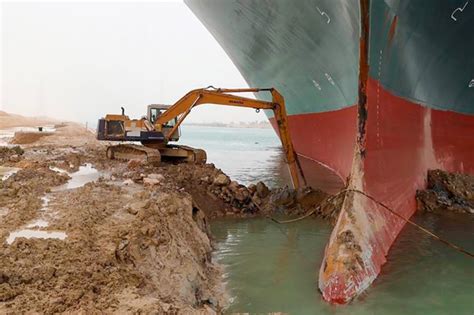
[(35, 234), (86, 174), (6, 172), (38, 223), (5, 137), (59, 170)]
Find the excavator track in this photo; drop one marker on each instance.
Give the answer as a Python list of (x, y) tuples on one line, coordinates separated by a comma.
[(127, 152), (197, 156)]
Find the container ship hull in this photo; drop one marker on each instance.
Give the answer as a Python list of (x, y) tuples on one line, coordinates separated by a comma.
[(416, 111)]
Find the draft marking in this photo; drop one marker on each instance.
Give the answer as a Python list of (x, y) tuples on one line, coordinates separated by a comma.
[(460, 9), (316, 85), (324, 14)]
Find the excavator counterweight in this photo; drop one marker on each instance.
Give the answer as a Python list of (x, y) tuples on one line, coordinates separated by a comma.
[(162, 125)]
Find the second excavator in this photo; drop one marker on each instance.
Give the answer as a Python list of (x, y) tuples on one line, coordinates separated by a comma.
[(162, 122)]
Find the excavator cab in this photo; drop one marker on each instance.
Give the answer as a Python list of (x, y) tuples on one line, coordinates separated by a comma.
[(154, 112), (115, 127)]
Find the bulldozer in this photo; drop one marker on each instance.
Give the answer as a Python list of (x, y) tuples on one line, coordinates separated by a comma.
[(162, 124)]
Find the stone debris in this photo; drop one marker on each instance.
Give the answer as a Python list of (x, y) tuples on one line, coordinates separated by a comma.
[(128, 182), (10, 154), (447, 192), (221, 180), (157, 177)]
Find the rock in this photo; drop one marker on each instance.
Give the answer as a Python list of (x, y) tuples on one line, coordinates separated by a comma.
[(283, 197), (310, 198), (225, 191), (256, 200), (242, 194), (262, 190), (233, 186), (131, 210), (221, 180), (252, 188), (165, 306), (158, 177), (134, 207), (134, 164), (447, 192), (128, 174), (153, 179), (128, 182), (150, 181), (137, 177)]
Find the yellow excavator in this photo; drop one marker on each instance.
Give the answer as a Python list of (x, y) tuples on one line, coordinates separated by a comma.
[(161, 125)]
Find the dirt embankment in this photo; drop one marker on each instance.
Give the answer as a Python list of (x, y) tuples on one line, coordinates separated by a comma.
[(141, 252), (447, 192), (71, 134), (129, 247)]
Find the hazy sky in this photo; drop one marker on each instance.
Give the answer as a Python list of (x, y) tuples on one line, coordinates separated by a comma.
[(79, 61)]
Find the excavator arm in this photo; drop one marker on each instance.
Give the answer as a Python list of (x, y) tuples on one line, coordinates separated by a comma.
[(223, 97)]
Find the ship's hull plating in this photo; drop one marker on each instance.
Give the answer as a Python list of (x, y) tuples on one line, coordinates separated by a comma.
[(420, 105)]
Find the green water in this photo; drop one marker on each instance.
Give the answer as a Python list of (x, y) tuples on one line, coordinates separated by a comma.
[(248, 155), (273, 268)]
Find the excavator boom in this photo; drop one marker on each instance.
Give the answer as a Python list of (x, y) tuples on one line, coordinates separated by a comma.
[(162, 123), (223, 97)]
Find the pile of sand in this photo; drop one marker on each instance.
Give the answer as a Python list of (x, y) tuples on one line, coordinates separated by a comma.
[(28, 137)]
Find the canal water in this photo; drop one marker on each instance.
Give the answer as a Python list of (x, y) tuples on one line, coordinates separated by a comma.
[(247, 155), (273, 268)]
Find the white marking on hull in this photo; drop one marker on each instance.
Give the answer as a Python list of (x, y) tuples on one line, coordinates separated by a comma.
[(460, 9), (328, 76), (324, 14), (316, 85)]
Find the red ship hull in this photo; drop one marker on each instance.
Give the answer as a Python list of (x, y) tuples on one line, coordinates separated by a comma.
[(403, 141), (378, 92)]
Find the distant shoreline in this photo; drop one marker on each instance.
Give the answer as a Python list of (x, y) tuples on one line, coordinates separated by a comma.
[(255, 124)]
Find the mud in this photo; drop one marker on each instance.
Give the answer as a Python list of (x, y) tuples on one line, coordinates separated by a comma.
[(10, 155), (447, 192), (26, 137), (129, 248), (136, 239), (128, 252)]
